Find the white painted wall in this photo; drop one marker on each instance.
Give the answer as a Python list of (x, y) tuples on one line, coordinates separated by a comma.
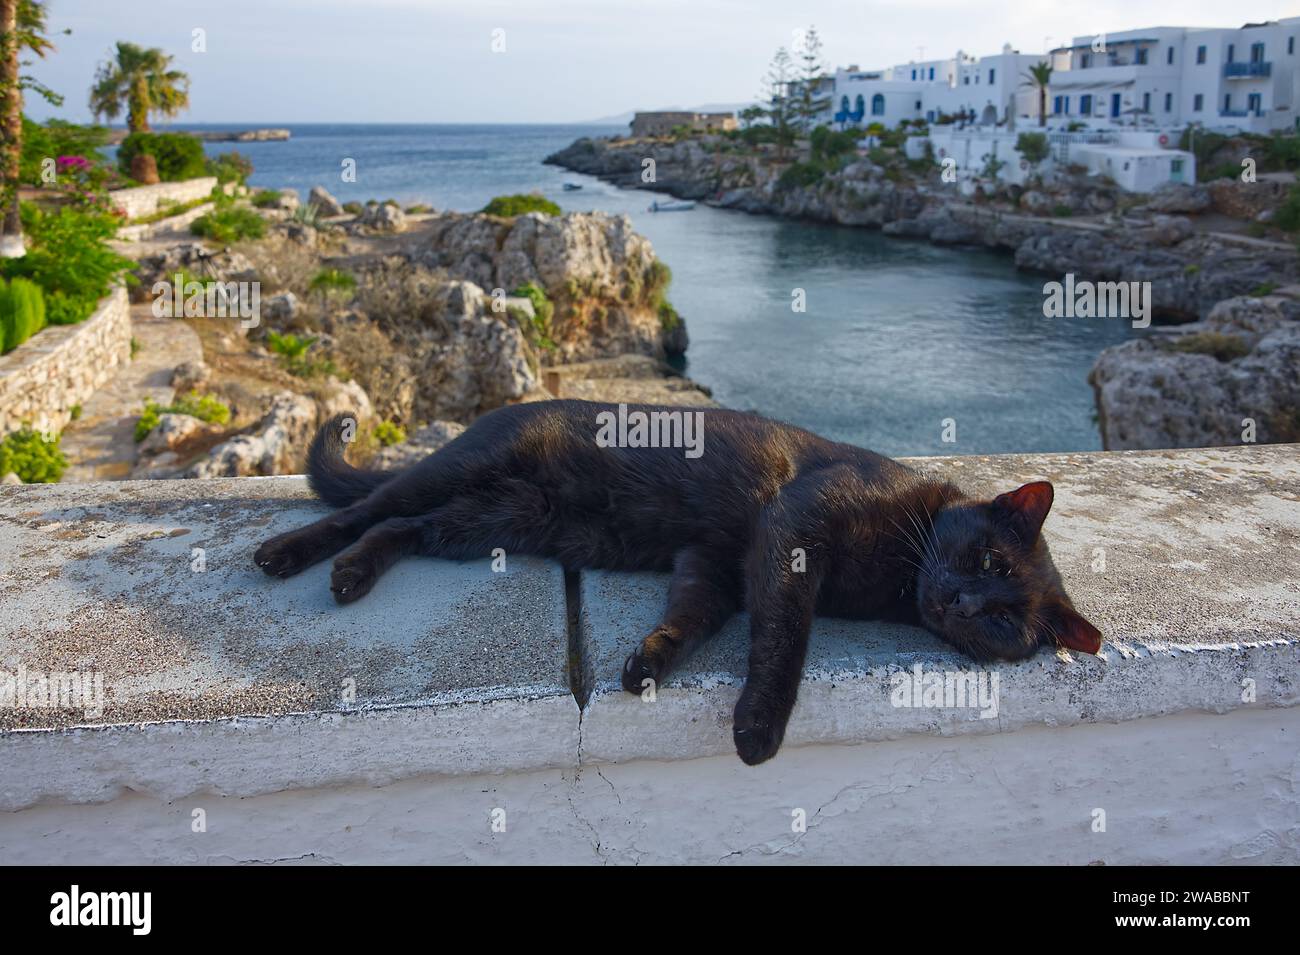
[(1192, 789)]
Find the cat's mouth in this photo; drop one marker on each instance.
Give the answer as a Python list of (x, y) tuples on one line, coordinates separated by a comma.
[(970, 634)]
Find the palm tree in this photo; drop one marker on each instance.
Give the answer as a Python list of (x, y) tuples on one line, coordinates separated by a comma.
[(22, 27), (142, 80), (1040, 75)]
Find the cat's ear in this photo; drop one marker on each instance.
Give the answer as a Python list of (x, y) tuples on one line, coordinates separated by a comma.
[(1026, 508), (1070, 629)]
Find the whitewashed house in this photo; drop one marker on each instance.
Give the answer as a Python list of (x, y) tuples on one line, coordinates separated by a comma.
[(1228, 80)]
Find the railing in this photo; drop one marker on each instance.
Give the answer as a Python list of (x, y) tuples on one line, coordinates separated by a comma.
[(1240, 70)]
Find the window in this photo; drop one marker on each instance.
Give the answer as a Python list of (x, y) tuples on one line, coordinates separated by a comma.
[(1198, 102), (1290, 46), (932, 72), (1200, 54), (1085, 104), (965, 81), (1085, 61), (918, 105), (914, 74), (1056, 105), (992, 74), (878, 105), (1257, 53), (1141, 56), (1255, 104), (1227, 102), (1146, 102), (1169, 56), (1231, 50), (1169, 102)]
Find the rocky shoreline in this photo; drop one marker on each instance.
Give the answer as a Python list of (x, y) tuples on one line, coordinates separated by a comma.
[(1174, 239), (423, 322)]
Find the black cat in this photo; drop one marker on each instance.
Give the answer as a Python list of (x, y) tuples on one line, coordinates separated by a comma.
[(753, 514)]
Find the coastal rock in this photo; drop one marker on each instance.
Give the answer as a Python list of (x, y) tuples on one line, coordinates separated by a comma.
[(190, 375), (383, 217), (342, 397), (595, 269), (176, 431), (275, 446), (1205, 385), (1180, 197), (324, 202), (281, 308), (416, 447), (288, 200), (1247, 200)]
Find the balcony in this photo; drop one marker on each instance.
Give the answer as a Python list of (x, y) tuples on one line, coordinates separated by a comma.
[(1243, 71)]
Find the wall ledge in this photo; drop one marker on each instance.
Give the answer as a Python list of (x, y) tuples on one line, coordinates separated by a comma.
[(219, 679)]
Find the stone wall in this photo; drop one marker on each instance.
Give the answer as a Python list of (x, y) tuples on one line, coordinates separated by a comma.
[(143, 200), (459, 693), (61, 366)]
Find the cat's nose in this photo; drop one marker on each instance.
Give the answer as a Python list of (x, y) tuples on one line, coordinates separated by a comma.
[(966, 605)]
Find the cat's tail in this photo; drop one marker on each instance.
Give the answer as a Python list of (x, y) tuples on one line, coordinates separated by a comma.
[(334, 480)]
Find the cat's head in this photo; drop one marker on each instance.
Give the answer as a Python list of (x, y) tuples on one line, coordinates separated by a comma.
[(988, 585)]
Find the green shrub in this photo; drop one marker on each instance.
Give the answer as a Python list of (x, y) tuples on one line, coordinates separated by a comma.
[(1262, 289), (800, 175), (266, 198), (355, 208), (230, 224), (1062, 211), (70, 260), (1220, 346), (294, 358), (206, 408), (35, 458), (387, 433), (22, 312), (1287, 215), (418, 209), (178, 155), (539, 326), (230, 167), (1033, 146), (827, 145), (53, 139), (332, 280), (518, 205)]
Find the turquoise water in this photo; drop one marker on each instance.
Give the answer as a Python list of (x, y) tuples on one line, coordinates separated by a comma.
[(898, 335)]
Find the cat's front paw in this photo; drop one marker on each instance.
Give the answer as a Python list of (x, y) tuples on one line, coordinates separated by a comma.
[(285, 555), (757, 730)]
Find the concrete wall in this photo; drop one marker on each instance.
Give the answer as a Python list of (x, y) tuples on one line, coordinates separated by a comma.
[(61, 366), (143, 200), (470, 712)]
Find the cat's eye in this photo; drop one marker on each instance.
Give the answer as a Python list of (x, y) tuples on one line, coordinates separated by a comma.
[(987, 562)]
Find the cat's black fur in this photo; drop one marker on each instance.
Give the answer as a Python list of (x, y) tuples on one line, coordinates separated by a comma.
[(770, 518)]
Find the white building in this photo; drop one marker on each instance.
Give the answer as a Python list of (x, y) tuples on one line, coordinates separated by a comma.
[(1231, 80), (991, 89)]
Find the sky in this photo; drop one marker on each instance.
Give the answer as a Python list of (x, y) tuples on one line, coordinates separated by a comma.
[(430, 61)]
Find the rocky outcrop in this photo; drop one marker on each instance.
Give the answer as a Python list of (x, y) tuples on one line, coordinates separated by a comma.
[(418, 446), (275, 446), (324, 201), (601, 277), (1227, 380)]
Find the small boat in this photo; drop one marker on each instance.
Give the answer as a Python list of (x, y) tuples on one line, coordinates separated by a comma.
[(677, 205), (572, 186)]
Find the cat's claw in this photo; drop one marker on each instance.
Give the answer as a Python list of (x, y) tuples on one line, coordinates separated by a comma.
[(352, 579), (636, 671), (282, 556)]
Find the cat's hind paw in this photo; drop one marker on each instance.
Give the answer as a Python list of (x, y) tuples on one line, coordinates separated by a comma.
[(354, 576)]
